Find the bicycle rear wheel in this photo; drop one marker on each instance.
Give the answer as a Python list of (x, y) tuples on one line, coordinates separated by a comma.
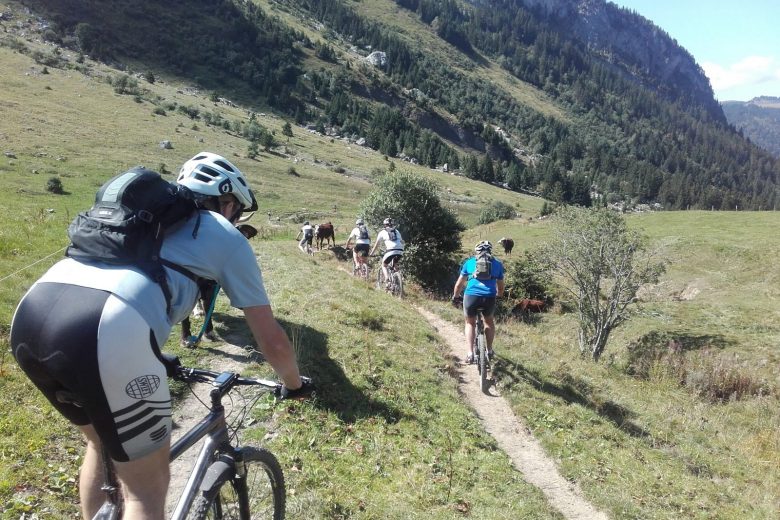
[(482, 361), (259, 493), (397, 284)]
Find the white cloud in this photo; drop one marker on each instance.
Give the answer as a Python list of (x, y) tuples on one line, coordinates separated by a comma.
[(749, 71)]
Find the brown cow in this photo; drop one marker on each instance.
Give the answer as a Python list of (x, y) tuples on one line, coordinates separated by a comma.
[(207, 295), (507, 244), (324, 232), (530, 305)]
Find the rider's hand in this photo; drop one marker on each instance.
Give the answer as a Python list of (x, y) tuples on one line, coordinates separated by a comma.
[(171, 363), (306, 389), (457, 301)]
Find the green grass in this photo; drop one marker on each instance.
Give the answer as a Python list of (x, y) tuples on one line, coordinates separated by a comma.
[(388, 436), (650, 448)]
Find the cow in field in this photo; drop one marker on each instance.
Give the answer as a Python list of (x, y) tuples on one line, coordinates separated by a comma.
[(507, 244), (527, 306), (208, 290), (324, 233)]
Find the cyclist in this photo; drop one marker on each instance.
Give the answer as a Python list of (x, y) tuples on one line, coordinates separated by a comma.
[(393, 243), (480, 292), (308, 234), (93, 332), (362, 243)]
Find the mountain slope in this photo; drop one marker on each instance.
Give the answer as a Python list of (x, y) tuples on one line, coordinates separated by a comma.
[(563, 97), (758, 120)]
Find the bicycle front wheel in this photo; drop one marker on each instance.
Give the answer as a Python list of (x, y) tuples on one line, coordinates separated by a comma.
[(256, 492)]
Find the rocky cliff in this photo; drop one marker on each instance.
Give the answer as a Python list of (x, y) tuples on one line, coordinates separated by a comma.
[(633, 45)]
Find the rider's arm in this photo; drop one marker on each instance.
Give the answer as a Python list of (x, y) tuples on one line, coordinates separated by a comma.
[(500, 288), (274, 344), (376, 243), (299, 234), (459, 285)]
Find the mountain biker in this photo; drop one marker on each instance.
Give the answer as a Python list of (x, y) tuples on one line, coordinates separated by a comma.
[(393, 244), (479, 293), (308, 235), (92, 332), (362, 243)]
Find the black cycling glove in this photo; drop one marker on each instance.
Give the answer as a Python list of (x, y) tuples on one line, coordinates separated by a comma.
[(457, 301), (171, 362), (306, 389)]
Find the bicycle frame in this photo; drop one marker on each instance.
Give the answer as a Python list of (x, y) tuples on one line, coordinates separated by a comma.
[(214, 428)]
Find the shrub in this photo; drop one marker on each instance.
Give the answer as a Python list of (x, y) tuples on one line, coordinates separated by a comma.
[(124, 84), (497, 210), (430, 230), (526, 277), (54, 185), (715, 378), (160, 111), (720, 378)]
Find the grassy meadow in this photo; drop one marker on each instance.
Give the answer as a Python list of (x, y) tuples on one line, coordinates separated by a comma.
[(388, 435)]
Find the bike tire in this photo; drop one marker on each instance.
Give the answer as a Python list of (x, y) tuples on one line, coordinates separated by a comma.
[(379, 283), (482, 362), (397, 285), (260, 494)]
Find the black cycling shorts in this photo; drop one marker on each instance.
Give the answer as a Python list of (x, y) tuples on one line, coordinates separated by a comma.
[(89, 347), (472, 304), (362, 249)]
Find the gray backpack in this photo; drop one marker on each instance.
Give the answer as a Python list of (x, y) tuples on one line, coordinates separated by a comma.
[(484, 268)]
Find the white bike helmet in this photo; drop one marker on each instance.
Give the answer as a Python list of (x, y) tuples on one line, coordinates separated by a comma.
[(483, 247), (388, 222), (359, 222), (212, 175)]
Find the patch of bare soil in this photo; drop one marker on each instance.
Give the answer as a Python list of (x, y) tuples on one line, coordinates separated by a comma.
[(512, 436)]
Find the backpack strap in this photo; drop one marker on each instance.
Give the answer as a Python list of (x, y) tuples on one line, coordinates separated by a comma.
[(163, 281)]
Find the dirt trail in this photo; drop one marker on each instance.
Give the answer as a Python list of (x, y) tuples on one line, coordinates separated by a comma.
[(512, 436), (496, 416)]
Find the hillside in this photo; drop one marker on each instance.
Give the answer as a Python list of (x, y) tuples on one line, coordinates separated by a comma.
[(758, 120), (505, 91), (389, 435)]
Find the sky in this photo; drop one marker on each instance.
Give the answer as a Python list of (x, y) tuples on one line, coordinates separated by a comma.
[(736, 42)]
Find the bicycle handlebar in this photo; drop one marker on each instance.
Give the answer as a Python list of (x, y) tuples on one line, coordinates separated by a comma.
[(221, 379)]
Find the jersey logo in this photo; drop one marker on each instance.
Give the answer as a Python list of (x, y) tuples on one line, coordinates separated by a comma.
[(142, 387)]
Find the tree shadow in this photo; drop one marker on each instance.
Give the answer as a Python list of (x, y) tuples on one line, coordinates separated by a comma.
[(335, 392), (572, 390)]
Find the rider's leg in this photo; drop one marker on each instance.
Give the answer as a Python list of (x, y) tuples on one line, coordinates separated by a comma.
[(91, 474), (145, 484), (490, 331), (470, 333)]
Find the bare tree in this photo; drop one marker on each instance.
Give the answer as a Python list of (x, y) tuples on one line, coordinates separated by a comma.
[(601, 263)]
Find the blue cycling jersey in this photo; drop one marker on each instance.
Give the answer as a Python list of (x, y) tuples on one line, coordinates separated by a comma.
[(477, 287)]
